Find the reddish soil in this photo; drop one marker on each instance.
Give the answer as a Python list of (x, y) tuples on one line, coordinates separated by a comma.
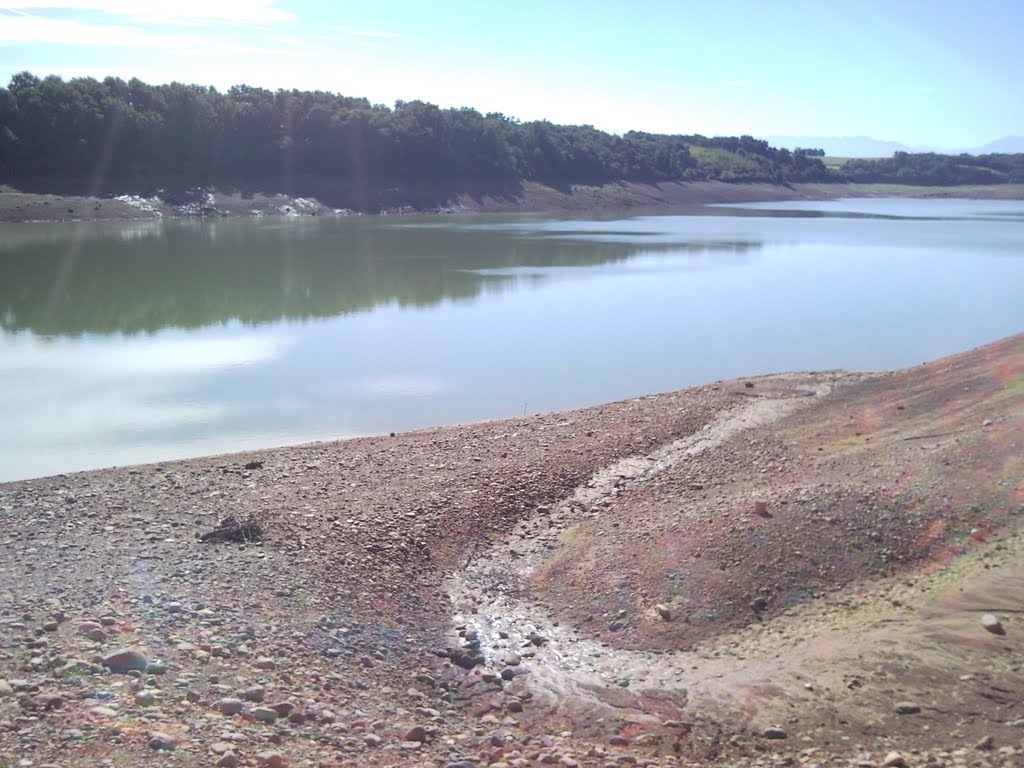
[(889, 530)]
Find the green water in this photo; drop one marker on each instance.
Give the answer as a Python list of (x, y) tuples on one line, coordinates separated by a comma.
[(144, 341)]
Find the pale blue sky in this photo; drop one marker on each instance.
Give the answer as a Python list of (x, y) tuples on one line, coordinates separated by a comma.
[(923, 72)]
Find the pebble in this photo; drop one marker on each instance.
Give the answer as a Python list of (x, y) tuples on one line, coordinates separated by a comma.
[(372, 740), (906, 708), (270, 759), (230, 706), (145, 698), (126, 660), (894, 760), (416, 733), (773, 733), (663, 611), (264, 714), (161, 741), (43, 701), (992, 624), (283, 708), (5, 689), (254, 693), (228, 760)]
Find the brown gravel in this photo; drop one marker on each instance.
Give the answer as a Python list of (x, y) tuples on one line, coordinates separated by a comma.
[(327, 640)]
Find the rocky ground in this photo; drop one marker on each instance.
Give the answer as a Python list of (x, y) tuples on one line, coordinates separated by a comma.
[(820, 569), (527, 197)]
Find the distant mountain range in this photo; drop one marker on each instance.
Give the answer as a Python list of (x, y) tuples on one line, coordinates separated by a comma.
[(865, 146)]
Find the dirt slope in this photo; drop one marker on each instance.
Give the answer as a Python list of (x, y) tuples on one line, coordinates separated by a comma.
[(587, 588)]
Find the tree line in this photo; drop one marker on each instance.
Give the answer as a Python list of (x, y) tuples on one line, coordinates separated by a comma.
[(113, 135)]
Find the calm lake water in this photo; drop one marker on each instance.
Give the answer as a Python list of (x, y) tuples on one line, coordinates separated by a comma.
[(130, 342)]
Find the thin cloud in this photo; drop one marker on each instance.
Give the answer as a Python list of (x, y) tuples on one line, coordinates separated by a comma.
[(35, 29), (178, 12), (376, 34), (21, 30)]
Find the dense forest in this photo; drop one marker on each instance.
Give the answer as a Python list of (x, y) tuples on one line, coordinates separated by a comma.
[(94, 136)]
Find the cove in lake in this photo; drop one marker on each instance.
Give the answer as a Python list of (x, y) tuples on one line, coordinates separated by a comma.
[(145, 341)]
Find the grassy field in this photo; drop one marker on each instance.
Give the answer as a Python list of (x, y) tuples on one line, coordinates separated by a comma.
[(990, 191)]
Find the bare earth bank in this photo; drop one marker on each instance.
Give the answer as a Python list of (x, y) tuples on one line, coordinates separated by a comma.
[(529, 197), (803, 569)]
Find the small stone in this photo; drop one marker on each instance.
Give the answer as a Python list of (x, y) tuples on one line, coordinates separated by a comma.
[(264, 714), (992, 624), (283, 708), (96, 635), (985, 744), (663, 611), (372, 740), (228, 760), (906, 708), (265, 663), (220, 747), (5, 689), (773, 733), (416, 733), (270, 759), (230, 706), (254, 693), (126, 660), (894, 760), (145, 698), (161, 741), (43, 702)]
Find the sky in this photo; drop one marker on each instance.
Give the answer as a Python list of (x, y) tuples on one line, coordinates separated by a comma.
[(931, 73)]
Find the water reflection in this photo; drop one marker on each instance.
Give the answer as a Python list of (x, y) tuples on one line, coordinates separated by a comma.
[(147, 276), (143, 341)]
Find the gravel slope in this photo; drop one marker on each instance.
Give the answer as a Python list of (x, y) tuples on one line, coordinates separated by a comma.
[(334, 641)]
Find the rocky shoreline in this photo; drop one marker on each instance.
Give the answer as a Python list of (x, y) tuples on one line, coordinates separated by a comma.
[(527, 197), (786, 570)]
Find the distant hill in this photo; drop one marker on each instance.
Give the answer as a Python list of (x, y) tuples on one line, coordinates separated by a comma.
[(865, 146), (1005, 145), (842, 146)]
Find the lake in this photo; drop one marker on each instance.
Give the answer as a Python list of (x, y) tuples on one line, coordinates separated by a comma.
[(144, 341)]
